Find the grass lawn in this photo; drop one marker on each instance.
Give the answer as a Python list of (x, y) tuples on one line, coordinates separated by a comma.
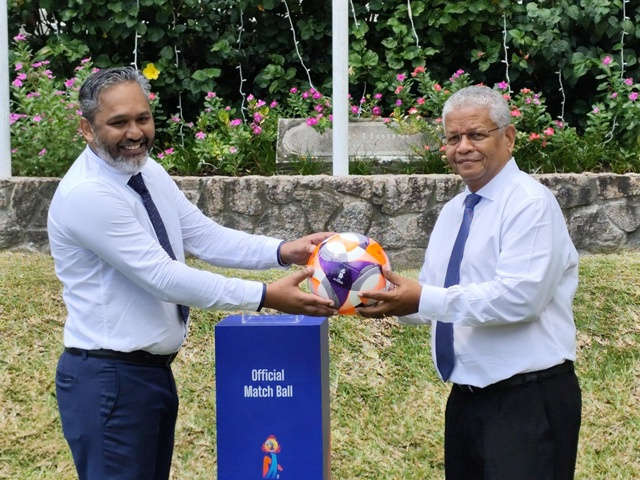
[(387, 405)]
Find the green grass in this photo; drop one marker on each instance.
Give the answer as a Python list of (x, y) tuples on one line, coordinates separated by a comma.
[(386, 402)]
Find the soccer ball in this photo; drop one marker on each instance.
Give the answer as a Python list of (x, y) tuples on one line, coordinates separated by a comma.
[(345, 264)]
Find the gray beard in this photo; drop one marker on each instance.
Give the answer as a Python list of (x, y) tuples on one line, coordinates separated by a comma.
[(128, 165)]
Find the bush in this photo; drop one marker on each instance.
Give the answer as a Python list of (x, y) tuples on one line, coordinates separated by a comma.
[(229, 140), (237, 47)]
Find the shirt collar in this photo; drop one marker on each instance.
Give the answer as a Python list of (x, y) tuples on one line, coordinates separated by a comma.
[(492, 189)]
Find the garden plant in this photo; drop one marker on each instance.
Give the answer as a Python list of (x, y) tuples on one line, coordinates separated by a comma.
[(224, 72)]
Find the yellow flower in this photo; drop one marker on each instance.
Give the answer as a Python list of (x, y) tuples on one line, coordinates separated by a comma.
[(151, 72)]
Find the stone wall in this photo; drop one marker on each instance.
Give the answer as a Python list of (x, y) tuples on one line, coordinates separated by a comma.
[(602, 210)]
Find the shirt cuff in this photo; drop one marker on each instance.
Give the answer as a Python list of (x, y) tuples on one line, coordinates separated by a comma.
[(278, 255), (264, 294), (432, 302)]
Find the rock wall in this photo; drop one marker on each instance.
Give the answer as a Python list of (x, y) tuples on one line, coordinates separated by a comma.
[(399, 211)]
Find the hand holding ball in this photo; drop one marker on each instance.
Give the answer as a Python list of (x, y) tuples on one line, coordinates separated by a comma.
[(344, 265)]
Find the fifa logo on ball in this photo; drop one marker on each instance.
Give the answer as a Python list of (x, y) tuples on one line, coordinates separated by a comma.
[(345, 264)]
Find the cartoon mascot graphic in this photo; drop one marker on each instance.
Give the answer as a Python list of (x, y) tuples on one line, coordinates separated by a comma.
[(270, 466)]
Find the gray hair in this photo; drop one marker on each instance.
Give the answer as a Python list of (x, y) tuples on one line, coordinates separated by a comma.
[(483, 97), (101, 80)]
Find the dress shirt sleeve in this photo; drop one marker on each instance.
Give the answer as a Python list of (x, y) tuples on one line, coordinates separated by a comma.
[(222, 246), (509, 273), (102, 221)]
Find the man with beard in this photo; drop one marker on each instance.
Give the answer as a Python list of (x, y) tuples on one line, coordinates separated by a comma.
[(497, 285), (119, 229)]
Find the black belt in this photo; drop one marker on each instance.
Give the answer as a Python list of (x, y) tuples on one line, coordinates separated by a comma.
[(139, 356), (520, 379)]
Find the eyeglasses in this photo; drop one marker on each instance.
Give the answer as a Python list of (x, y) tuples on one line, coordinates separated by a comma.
[(474, 136)]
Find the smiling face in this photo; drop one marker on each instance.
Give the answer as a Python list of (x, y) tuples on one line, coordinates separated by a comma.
[(123, 131), (479, 161)]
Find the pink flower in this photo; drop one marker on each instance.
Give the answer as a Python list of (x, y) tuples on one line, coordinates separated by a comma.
[(400, 77), (418, 70), (169, 151), (293, 90), (549, 131), (18, 66), (399, 88), (607, 60), (235, 122), (319, 108), (503, 86), (17, 83), (312, 121), (398, 102), (516, 113), (257, 117), (250, 97), (42, 152), (152, 96), (628, 81), (273, 104), (201, 135), (377, 96), (211, 94), (257, 130), (614, 95), (525, 90), (354, 109), (317, 95), (376, 111), (37, 118), (69, 83), (437, 87), (534, 136), (633, 96), (595, 110), (19, 38), (420, 101), (413, 111), (175, 119)]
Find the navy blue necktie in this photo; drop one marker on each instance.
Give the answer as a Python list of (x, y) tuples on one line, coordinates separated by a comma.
[(137, 183), (445, 357)]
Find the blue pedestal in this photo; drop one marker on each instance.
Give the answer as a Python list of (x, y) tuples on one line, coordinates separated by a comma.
[(272, 397)]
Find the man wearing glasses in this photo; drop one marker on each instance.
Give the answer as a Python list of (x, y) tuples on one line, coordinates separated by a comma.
[(497, 286)]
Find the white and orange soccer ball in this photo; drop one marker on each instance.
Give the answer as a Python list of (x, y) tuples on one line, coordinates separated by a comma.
[(345, 264)]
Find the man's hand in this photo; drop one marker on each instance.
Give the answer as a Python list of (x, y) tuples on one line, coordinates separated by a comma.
[(298, 251), (402, 299), (285, 295)]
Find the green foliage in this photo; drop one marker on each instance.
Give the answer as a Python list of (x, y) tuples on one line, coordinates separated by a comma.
[(44, 115), (233, 47)]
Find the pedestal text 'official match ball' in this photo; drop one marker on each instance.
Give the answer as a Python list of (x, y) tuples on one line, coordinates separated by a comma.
[(344, 265)]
